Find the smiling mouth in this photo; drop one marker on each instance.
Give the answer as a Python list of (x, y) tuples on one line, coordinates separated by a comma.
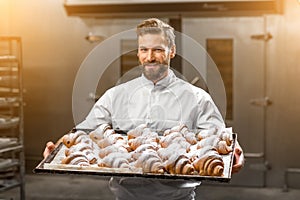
[(151, 65)]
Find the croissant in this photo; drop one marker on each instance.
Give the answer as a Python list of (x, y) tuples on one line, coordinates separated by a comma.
[(145, 147), (167, 132), (209, 162), (186, 133), (225, 135), (190, 137), (73, 138), (179, 164), (84, 148), (174, 129), (115, 138), (180, 128), (211, 140), (150, 135), (109, 140), (76, 158), (195, 153), (98, 133), (110, 149), (109, 132), (138, 141), (209, 166), (206, 133), (166, 153), (144, 134), (150, 162), (105, 142), (223, 148), (182, 142), (115, 160), (168, 139), (215, 141), (140, 149), (96, 136), (122, 144), (136, 132)]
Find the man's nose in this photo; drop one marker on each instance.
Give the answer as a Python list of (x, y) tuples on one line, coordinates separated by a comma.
[(150, 55)]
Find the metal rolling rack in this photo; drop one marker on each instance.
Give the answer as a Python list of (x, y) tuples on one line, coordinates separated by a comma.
[(12, 164)]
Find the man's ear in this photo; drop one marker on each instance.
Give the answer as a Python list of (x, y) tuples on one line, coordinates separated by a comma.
[(173, 51)]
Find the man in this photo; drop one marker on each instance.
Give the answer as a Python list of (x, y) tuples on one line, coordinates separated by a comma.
[(161, 100)]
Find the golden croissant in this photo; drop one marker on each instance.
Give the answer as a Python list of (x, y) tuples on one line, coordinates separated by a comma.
[(179, 164)]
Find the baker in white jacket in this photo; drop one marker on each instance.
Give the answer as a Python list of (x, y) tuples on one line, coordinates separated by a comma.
[(161, 100)]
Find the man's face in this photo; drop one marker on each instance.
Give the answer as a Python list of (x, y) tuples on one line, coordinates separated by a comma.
[(154, 56)]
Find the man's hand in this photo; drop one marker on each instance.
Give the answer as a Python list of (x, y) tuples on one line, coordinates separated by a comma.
[(239, 160), (50, 146)]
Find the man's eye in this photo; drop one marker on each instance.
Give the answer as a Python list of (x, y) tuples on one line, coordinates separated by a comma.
[(143, 50), (159, 50)]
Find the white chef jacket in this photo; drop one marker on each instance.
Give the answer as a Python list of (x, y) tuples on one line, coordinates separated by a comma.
[(168, 103)]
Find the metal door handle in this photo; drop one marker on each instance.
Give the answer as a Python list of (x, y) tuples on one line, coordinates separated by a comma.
[(261, 102)]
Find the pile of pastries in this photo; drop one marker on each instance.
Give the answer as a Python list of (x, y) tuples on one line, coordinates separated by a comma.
[(177, 151)]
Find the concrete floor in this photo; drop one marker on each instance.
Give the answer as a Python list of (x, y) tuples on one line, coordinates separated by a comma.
[(61, 187)]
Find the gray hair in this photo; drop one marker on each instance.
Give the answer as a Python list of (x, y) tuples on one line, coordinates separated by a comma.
[(156, 26)]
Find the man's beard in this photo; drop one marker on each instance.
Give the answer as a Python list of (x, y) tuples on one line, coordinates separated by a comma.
[(155, 74)]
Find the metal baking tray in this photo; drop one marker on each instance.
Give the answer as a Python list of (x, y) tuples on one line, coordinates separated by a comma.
[(46, 166)]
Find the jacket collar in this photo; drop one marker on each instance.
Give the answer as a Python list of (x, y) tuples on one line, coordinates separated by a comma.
[(165, 82)]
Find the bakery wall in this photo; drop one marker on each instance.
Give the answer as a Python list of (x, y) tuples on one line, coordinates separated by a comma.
[(283, 72), (54, 47)]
